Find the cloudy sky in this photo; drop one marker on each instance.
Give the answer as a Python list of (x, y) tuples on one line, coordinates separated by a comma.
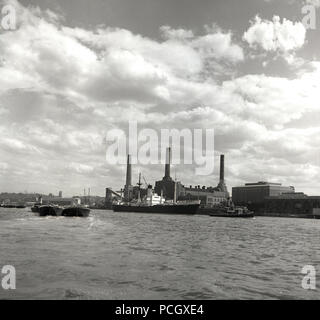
[(75, 69)]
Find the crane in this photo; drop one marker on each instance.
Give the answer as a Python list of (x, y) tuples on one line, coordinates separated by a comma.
[(145, 181)]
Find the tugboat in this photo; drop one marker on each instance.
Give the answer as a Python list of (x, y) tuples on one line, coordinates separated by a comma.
[(76, 211), (50, 210), (35, 207), (231, 212), (227, 210)]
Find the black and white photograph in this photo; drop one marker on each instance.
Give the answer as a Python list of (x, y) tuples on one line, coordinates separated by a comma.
[(159, 150)]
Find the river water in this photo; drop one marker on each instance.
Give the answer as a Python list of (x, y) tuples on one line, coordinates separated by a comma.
[(143, 256)]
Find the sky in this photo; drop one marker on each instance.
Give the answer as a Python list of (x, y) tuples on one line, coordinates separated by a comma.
[(73, 70)]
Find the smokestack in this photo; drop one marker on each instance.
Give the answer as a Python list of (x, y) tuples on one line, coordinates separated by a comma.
[(108, 198), (222, 186), (149, 191), (168, 162), (129, 174), (222, 168), (149, 194)]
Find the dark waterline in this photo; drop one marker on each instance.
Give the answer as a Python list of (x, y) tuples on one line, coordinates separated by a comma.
[(129, 255)]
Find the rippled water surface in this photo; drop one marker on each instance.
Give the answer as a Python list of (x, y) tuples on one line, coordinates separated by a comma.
[(141, 256)]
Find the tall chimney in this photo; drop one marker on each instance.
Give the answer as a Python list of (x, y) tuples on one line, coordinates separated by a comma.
[(129, 174), (168, 162), (222, 186), (222, 168)]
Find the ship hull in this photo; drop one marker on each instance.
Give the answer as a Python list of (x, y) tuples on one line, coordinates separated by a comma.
[(165, 209), (76, 212), (50, 211)]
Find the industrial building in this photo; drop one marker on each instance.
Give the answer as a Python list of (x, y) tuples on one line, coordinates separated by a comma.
[(209, 196), (61, 201), (292, 204), (254, 194)]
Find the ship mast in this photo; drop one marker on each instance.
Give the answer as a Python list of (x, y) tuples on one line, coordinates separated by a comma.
[(139, 185), (175, 188), (175, 192)]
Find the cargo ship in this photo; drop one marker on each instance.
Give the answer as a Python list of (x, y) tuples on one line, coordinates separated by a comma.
[(154, 203)]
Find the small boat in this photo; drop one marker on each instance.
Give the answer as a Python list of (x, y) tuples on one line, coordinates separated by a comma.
[(9, 206), (20, 206), (50, 210), (75, 211)]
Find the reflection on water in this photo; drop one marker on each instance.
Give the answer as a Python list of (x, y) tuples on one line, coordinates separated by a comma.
[(128, 256)]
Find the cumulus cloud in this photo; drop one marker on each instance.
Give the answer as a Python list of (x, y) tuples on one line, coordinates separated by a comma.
[(315, 3), (275, 35), (214, 44), (63, 88), (181, 34)]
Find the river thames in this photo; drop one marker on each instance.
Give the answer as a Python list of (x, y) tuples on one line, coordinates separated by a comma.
[(142, 256)]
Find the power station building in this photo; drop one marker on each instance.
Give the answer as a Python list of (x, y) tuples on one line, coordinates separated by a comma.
[(167, 187), (208, 195)]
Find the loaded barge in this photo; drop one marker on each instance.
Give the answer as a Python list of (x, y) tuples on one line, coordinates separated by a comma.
[(57, 211)]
